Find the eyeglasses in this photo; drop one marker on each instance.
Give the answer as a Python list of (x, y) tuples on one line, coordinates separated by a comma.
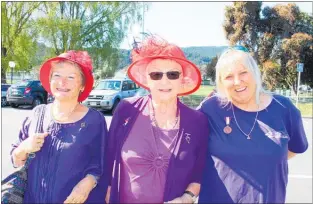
[(171, 75)]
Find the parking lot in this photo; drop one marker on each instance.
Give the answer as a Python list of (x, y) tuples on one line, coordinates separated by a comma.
[(300, 168)]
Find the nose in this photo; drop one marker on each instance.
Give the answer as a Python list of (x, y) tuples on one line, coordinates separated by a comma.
[(164, 79), (62, 81), (237, 80)]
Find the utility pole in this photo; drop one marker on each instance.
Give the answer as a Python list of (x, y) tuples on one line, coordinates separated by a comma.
[(143, 20)]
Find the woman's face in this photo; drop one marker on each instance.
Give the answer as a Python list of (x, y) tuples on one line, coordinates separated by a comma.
[(66, 81), (239, 84), (164, 78)]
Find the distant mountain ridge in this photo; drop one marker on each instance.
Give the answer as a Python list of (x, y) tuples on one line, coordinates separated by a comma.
[(200, 55)]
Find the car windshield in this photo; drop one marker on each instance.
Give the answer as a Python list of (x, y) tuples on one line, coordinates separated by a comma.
[(23, 83), (108, 85)]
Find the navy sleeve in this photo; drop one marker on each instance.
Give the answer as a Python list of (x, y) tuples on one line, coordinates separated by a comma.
[(298, 142), (23, 134), (97, 150), (112, 142)]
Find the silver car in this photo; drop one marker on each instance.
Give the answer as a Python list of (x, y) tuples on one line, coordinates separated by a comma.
[(109, 92)]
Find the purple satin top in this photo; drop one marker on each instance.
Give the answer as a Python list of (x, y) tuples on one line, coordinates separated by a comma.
[(145, 160)]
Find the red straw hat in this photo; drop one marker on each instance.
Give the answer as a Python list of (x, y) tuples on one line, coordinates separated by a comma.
[(79, 57), (156, 48)]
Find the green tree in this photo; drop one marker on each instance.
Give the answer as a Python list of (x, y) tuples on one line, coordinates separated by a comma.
[(98, 27), (242, 21), (18, 37), (265, 32), (210, 68), (272, 76), (294, 50)]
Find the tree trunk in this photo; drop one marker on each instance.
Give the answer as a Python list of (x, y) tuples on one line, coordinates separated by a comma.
[(3, 76), (294, 88)]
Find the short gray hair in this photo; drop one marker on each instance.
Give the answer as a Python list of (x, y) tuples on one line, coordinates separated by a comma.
[(230, 57)]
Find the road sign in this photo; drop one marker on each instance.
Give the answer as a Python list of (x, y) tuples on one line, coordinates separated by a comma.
[(299, 67)]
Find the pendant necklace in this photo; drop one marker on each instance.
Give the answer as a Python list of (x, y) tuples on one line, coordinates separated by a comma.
[(249, 134)]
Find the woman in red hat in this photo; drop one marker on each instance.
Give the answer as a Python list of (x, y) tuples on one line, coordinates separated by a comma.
[(69, 150), (156, 144)]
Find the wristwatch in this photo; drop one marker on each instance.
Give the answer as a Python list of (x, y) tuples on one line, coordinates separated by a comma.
[(193, 197)]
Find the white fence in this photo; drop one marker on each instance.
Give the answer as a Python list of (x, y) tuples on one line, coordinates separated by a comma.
[(193, 101)]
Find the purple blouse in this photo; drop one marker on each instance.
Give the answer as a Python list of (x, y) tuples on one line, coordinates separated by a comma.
[(70, 152), (145, 158)]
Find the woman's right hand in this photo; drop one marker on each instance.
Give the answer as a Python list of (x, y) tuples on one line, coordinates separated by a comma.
[(33, 143)]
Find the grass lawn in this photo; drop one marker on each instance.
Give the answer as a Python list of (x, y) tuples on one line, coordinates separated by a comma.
[(204, 90), (306, 109)]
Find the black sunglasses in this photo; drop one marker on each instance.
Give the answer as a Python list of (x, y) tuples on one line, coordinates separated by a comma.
[(172, 75)]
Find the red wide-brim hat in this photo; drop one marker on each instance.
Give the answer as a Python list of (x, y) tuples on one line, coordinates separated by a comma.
[(152, 49), (82, 59)]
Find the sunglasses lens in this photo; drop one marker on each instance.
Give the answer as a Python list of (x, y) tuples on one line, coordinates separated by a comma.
[(173, 75), (156, 75)]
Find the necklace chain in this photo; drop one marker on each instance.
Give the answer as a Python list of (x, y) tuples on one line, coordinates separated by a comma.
[(155, 121), (256, 117), (158, 128), (68, 114)]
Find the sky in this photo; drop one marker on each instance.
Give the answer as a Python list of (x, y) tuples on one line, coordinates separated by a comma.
[(190, 23)]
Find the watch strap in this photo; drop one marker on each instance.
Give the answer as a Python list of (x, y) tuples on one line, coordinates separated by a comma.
[(193, 196)]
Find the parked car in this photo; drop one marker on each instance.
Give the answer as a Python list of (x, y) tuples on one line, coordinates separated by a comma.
[(142, 92), (4, 89), (109, 92), (305, 88), (27, 92)]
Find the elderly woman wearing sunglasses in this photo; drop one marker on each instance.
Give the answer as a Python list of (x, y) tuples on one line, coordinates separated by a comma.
[(253, 134), (157, 145)]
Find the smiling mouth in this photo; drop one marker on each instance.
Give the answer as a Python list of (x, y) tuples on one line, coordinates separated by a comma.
[(63, 90), (165, 90), (241, 89)]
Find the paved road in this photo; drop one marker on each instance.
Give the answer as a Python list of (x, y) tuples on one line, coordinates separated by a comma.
[(300, 168)]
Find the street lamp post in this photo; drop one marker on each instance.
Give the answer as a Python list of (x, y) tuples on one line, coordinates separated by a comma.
[(12, 65), (143, 19)]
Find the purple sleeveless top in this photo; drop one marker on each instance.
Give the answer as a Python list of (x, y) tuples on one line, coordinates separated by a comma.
[(145, 159)]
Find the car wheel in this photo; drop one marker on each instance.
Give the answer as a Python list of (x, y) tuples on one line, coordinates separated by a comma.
[(3, 101), (115, 105), (36, 102), (13, 105)]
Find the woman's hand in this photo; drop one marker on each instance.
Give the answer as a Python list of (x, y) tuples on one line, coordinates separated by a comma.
[(107, 196), (33, 143), (182, 199), (81, 191)]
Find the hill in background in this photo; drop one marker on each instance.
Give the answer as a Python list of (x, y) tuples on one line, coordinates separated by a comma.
[(198, 55)]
